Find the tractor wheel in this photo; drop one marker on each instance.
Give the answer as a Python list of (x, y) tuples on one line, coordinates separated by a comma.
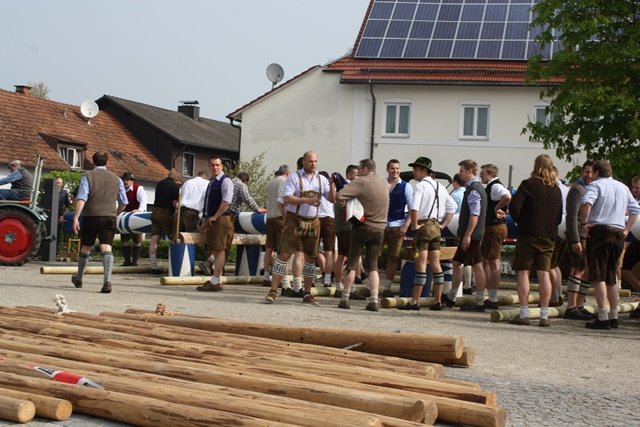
[(20, 237)]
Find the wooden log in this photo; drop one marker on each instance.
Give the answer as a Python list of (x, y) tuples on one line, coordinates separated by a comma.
[(367, 401), (95, 269), (297, 369), (126, 408), (236, 343), (227, 399), (430, 348), (18, 360), (503, 299), (623, 293), (449, 410), (534, 313), (18, 410), (46, 407), (238, 239), (199, 280)]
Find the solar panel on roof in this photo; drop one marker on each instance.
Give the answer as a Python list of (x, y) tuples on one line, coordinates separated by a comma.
[(459, 29)]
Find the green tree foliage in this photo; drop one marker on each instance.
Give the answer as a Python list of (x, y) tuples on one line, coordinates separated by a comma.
[(595, 107), (71, 179), (259, 177)]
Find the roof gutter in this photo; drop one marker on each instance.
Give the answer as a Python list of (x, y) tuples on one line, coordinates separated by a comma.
[(373, 118)]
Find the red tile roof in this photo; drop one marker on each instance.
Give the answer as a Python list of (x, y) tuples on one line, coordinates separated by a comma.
[(431, 71), (27, 122)]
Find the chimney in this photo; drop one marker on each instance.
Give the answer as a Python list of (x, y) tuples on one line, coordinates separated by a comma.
[(190, 108), (23, 89)]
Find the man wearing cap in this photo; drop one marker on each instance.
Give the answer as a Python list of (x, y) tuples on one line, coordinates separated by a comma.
[(98, 193), (275, 221), (137, 198), (471, 224), (430, 203), (21, 182)]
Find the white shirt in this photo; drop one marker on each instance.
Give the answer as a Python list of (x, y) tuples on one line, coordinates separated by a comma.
[(192, 193), (424, 197)]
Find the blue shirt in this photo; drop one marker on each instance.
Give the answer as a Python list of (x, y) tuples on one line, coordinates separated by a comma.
[(474, 200), (83, 189), (610, 200), (457, 195), (12, 177)]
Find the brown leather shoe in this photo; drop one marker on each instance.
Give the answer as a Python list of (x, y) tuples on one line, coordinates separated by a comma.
[(210, 287), (271, 297), (520, 321), (106, 288)]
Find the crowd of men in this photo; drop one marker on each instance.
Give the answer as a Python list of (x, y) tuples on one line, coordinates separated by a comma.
[(356, 216)]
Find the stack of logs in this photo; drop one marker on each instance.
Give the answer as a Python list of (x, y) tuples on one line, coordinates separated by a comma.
[(182, 371)]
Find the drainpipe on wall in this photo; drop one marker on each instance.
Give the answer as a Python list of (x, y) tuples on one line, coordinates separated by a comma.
[(239, 135), (373, 118)]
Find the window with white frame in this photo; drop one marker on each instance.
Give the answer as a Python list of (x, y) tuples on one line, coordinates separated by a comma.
[(188, 164), (541, 115), (397, 119), (73, 156), (475, 121)]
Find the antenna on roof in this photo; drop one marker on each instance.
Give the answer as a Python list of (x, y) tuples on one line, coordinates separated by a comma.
[(275, 74), (89, 109)]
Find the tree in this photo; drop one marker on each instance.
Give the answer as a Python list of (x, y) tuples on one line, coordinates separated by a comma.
[(259, 177), (39, 90), (595, 107)]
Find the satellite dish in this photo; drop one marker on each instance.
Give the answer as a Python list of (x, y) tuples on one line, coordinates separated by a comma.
[(89, 109), (275, 73)]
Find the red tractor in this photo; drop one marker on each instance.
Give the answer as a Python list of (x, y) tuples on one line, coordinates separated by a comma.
[(22, 225)]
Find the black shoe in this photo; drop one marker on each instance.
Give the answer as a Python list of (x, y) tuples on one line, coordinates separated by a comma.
[(126, 264), (598, 324), (266, 283), (76, 282), (635, 314), (372, 306), (357, 281), (491, 305), (467, 291), (106, 288), (287, 292), (587, 312), (436, 307), (156, 270), (575, 314), (614, 323), (338, 293), (344, 304), (357, 296), (414, 307), (300, 293), (448, 302), (472, 307)]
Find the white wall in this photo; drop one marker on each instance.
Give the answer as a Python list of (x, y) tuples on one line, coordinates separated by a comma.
[(318, 113)]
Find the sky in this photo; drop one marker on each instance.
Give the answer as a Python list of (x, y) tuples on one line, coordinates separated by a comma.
[(160, 52)]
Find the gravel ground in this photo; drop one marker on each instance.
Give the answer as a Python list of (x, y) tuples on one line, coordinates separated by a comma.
[(562, 375)]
